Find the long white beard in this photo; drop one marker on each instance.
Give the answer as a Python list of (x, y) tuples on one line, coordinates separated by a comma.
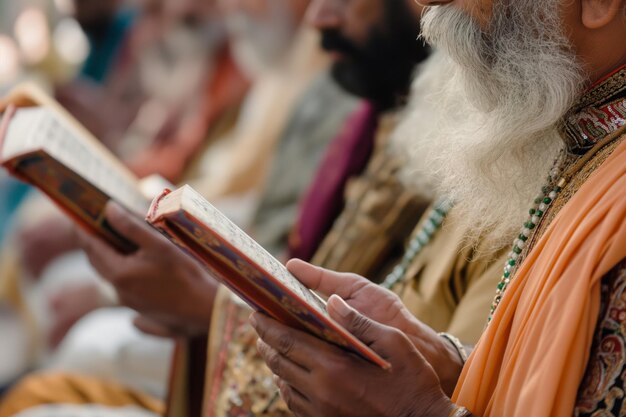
[(492, 139)]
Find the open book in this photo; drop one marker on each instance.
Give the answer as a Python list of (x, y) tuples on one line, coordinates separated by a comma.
[(236, 260), (43, 145)]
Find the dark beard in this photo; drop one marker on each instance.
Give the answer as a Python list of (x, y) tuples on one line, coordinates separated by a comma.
[(382, 69)]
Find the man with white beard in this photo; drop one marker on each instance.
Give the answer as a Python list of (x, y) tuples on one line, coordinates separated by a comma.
[(546, 83)]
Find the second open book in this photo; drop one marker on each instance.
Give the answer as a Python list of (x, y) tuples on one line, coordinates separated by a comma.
[(43, 145)]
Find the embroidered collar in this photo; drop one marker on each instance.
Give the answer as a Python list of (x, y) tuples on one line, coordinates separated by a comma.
[(599, 113)]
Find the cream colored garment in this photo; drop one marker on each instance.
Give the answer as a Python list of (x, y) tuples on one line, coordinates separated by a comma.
[(449, 287), (240, 162)]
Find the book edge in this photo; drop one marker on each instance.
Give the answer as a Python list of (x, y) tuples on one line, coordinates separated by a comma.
[(153, 216), (7, 116), (34, 96), (353, 341)]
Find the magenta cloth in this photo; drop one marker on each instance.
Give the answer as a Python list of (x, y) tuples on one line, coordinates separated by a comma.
[(346, 157)]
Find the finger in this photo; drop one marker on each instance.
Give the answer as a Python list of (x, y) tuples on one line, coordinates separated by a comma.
[(300, 348), (102, 256), (383, 339), (283, 367), (154, 328), (131, 226), (325, 281), (296, 402)]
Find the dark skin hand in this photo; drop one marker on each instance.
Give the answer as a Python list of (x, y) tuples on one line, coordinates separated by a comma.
[(41, 243), (68, 306), (316, 378), (172, 293)]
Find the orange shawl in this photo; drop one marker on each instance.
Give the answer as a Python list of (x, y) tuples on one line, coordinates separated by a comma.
[(532, 357)]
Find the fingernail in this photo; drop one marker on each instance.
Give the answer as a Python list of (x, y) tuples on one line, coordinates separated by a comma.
[(260, 345), (339, 305)]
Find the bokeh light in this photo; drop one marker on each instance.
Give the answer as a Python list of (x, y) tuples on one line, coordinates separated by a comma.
[(70, 41), (65, 7), (33, 35), (10, 62)]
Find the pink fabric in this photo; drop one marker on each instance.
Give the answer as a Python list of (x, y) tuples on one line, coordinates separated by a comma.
[(347, 156)]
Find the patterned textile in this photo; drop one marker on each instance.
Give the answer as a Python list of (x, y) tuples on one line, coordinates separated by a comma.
[(603, 390), (597, 114), (241, 385)]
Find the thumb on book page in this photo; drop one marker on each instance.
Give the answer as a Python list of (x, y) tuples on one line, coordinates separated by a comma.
[(363, 328), (325, 281)]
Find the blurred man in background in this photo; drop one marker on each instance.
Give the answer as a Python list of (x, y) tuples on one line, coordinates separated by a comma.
[(387, 24), (175, 55), (107, 27)]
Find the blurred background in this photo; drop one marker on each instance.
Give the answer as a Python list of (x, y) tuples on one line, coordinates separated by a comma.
[(206, 92), (42, 40), (62, 46), (240, 99)]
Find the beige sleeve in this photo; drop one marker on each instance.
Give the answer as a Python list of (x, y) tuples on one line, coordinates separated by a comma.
[(470, 316)]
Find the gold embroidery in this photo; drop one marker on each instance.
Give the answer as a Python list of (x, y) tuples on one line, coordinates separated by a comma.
[(598, 113), (576, 181)]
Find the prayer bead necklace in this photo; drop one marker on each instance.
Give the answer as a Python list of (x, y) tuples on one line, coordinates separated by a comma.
[(431, 225), (437, 215), (543, 202)]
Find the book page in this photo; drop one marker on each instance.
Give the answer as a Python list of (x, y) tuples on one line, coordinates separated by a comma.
[(197, 206), (38, 127)]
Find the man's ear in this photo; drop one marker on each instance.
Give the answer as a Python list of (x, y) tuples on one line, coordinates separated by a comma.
[(595, 14)]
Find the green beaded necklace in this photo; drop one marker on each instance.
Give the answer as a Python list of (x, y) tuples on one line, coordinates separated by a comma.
[(441, 209), (430, 227), (543, 202)]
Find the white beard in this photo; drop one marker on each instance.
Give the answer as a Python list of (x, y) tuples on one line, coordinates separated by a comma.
[(486, 136)]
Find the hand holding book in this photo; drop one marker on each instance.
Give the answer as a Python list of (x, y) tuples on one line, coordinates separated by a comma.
[(316, 378), (236, 260), (42, 144), (171, 292), (45, 146)]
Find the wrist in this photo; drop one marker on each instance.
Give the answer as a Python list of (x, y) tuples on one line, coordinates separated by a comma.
[(458, 346), (458, 411), (455, 356), (444, 407)]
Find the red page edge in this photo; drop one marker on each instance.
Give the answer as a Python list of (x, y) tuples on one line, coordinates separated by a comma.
[(7, 116)]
